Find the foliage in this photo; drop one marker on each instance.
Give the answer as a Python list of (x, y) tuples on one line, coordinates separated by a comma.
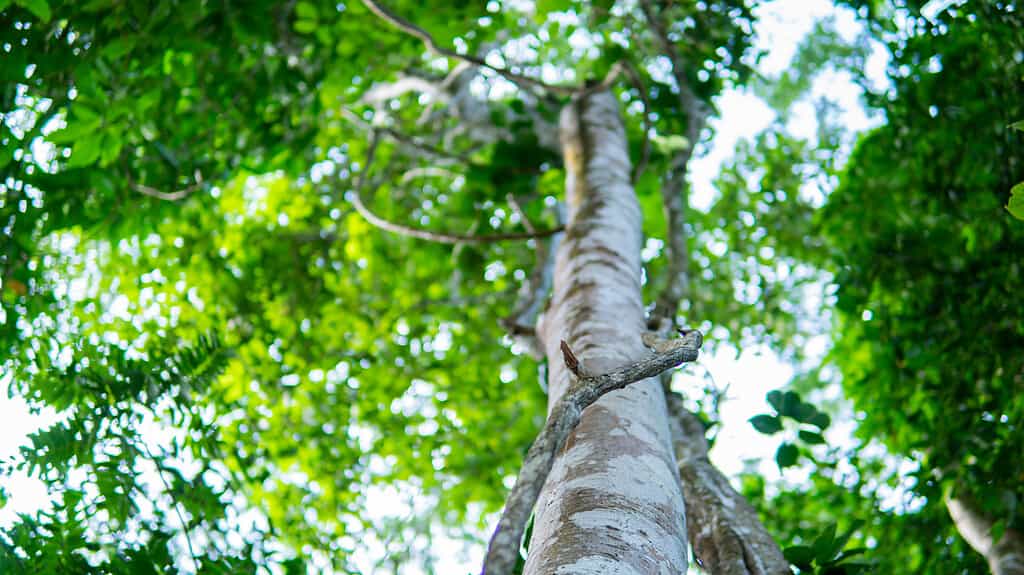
[(926, 329), (177, 168)]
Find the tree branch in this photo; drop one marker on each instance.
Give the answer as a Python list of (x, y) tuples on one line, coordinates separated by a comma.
[(726, 534), (1005, 556), (565, 415), (673, 192), (167, 196), (432, 45), (521, 322), (406, 140), (429, 235)]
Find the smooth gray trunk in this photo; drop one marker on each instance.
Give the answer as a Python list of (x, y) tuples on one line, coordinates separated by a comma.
[(613, 502), (1005, 556)]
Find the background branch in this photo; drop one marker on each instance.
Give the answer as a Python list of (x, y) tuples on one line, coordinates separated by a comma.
[(429, 235)]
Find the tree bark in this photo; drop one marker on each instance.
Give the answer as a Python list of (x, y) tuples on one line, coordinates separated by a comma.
[(727, 536), (612, 503), (1005, 556)]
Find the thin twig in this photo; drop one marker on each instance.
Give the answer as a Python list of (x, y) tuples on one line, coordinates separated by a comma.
[(432, 45), (167, 196), (406, 140), (174, 503), (429, 235), (674, 189), (645, 149), (565, 415)]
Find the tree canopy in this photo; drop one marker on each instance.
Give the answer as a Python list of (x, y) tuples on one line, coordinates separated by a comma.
[(270, 267)]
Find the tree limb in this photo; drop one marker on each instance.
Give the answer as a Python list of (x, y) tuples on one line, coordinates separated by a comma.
[(565, 415), (429, 235), (673, 192), (167, 196), (432, 45), (727, 536), (1005, 556)]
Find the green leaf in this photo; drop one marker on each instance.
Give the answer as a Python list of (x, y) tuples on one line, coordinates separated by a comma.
[(85, 152), (787, 455), (811, 437), (790, 404), (800, 555), (39, 8), (767, 424), (118, 47), (544, 7), (4, 4), (821, 421), (775, 400), (823, 545), (1017, 125), (306, 26), (804, 412), (306, 11), (1016, 203)]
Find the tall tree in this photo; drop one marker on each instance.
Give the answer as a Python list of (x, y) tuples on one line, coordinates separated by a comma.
[(200, 168), (926, 329)]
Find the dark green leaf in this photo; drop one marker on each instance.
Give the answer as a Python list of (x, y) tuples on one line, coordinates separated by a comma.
[(811, 437), (821, 420), (767, 424), (824, 545), (800, 555), (790, 404), (786, 455)]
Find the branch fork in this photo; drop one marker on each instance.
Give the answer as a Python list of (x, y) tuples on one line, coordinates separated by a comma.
[(587, 389)]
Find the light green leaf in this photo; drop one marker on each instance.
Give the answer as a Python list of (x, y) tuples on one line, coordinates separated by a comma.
[(1017, 125), (306, 26), (670, 144), (1016, 204), (85, 152), (306, 11), (39, 8), (119, 47)]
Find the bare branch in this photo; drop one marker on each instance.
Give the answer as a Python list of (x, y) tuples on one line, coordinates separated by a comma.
[(726, 534), (1005, 553), (429, 235), (406, 140), (167, 196), (645, 150), (565, 415), (432, 45), (691, 104), (673, 191), (521, 322)]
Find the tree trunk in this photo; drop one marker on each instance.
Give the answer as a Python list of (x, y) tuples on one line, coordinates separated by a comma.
[(612, 503), (1006, 556), (727, 536)]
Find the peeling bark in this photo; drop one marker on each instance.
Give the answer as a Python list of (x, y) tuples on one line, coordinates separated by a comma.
[(612, 503), (726, 534), (1006, 556)]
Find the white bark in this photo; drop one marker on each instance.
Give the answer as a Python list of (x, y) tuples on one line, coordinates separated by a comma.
[(612, 503), (1006, 556)]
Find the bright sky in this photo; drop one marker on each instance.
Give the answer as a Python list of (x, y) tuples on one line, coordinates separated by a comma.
[(781, 25)]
